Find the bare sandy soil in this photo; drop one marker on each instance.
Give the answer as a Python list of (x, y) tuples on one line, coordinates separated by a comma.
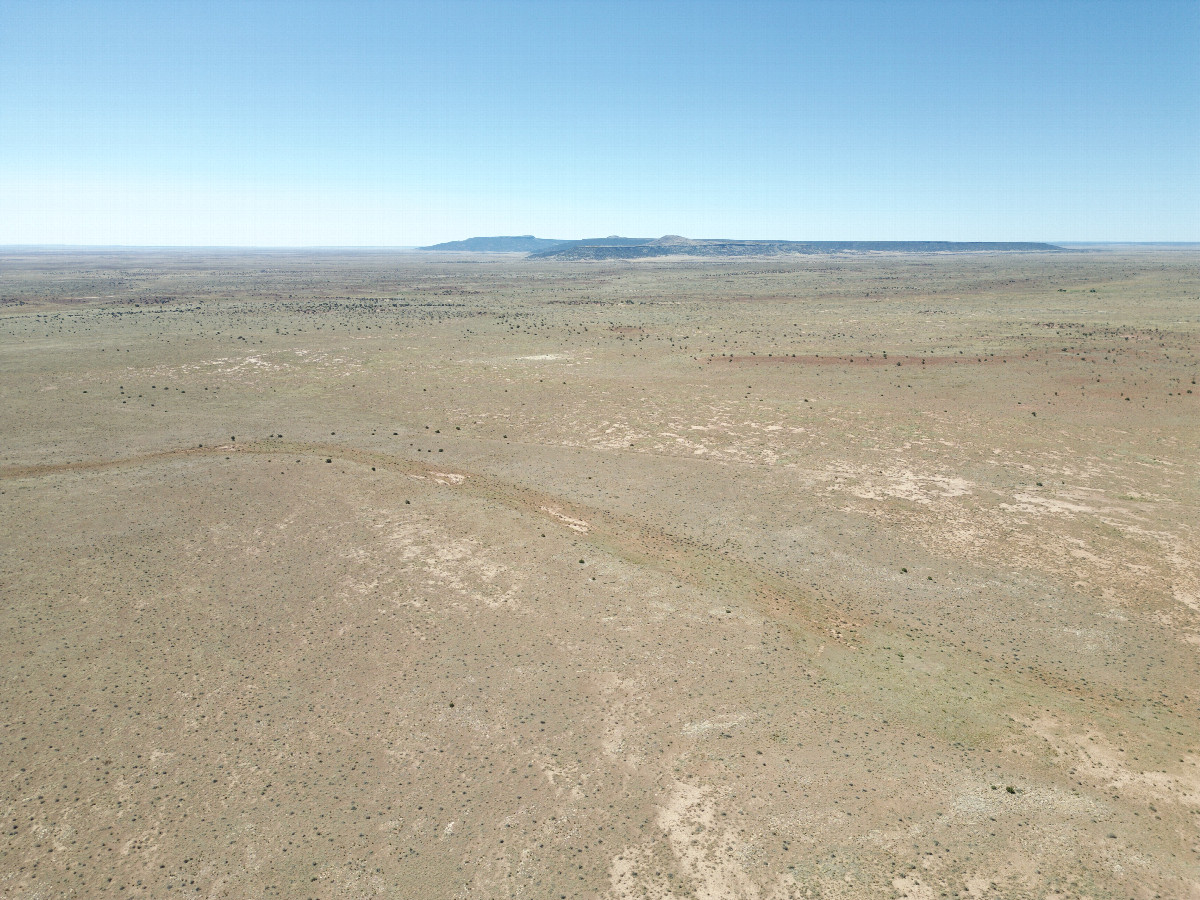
[(380, 574)]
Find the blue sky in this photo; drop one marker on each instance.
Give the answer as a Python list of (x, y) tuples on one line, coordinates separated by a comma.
[(244, 123)]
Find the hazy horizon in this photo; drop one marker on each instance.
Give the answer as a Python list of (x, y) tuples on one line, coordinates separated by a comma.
[(1066, 243)]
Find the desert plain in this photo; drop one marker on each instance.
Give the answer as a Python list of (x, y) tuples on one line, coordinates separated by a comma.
[(385, 574)]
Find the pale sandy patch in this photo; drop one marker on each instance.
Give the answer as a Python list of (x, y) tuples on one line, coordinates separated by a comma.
[(454, 565), (912, 888), (1032, 503), (708, 854), (574, 524), (1106, 764)]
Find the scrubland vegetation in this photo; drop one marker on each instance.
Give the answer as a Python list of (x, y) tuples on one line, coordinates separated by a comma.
[(380, 574)]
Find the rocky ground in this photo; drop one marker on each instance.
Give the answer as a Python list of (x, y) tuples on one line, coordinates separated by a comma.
[(374, 574)]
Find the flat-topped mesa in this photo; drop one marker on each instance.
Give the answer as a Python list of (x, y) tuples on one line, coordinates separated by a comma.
[(522, 243), (676, 245), (617, 247)]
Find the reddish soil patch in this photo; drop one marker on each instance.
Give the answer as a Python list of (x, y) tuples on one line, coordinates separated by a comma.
[(851, 360)]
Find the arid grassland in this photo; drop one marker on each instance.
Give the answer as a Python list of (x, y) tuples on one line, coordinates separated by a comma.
[(408, 575)]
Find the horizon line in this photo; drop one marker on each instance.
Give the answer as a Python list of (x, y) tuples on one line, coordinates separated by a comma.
[(98, 246)]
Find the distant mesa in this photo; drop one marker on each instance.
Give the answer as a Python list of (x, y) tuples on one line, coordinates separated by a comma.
[(616, 247), (521, 243), (610, 247), (527, 243), (675, 245)]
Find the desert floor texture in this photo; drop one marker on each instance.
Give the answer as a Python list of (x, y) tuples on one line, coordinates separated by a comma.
[(386, 574)]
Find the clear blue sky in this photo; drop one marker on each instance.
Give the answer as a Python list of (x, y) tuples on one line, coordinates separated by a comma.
[(405, 123)]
